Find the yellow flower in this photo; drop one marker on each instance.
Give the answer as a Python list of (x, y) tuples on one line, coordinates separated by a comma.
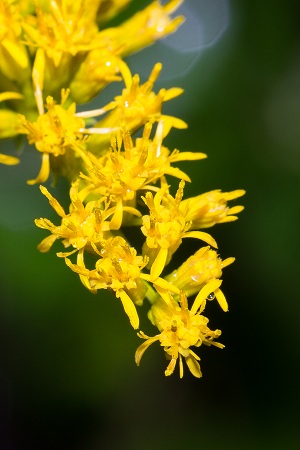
[(62, 32), (137, 105), (200, 268), (14, 61), (100, 67), (55, 133), (210, 208), (180, 329), (119, 270), (131, 167), (165, 227), (145, 27), (83, 226), (68, 41), (62, 27)]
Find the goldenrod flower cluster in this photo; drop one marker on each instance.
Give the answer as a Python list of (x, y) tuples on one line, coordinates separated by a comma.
[(56, 54)]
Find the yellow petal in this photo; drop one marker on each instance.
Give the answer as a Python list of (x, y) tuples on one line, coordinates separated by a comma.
[(172, 122), (165, 295), (163, 284), (204, 293), (234, 194), (180, 366), (129, 308), (203, 236), (8, 160), (47, 243), (38, 78), (9, 96), (221, 299), (235, 209), (228, 219), (175, 172), (194, 366), (188, 156), (227, 261), (159, 263), (44, 171), (84, 275), (17, 52), (170, 369), (172, 93), (66, 254), (117, 218), (9, 122), (143, 347), (53, 202)]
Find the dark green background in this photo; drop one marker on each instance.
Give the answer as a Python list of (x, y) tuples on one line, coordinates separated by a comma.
[(67, 373)]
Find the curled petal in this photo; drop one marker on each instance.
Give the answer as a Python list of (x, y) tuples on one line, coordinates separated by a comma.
[(10, 95), (161, 283), (47, 243), (203, 236), (203, 294), (143, 347), (44, 171)]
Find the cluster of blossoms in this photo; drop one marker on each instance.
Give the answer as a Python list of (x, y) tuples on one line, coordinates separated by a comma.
[(56, 54)]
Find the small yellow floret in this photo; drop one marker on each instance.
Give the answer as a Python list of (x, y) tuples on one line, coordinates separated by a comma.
[(207, 209), (83, 226), (119, 270), (54, 133), (199, 269), (165, 227), (64, 27), (137, 105), (145, 27), (180, 329)]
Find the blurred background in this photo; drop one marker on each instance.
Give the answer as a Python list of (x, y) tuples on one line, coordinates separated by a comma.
[(67, 374)]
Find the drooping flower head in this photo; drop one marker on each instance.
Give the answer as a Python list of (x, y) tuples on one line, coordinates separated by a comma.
[(119, 270), (180, 329)]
